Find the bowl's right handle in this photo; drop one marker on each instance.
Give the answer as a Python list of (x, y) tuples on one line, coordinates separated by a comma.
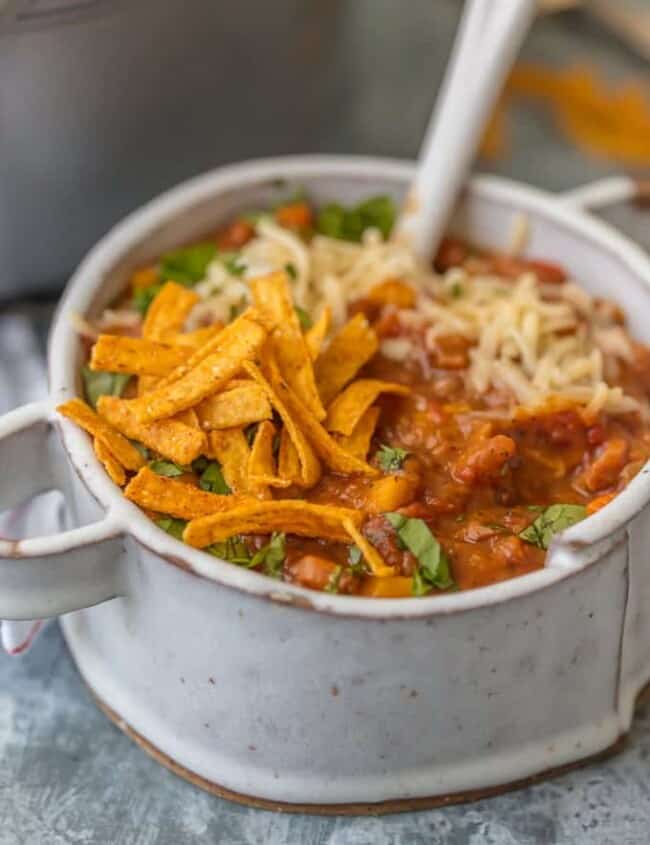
[(46, 576), (611, 190)]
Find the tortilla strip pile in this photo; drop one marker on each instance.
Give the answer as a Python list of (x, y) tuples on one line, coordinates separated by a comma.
[(258, 409)]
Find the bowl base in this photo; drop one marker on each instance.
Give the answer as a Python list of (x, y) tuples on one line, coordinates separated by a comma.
[(398, 805)]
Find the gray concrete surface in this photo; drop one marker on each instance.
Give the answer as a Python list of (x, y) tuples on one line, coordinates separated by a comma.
[(69, 777)]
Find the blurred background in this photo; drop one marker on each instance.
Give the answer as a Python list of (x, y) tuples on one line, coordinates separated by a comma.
[(104, 103)]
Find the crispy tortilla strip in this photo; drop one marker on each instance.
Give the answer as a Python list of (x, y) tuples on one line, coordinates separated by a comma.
[(112, 466), (391, 587), (173, 497), (215, 343), (238, 406), (309, 467), (315, 336), (189, 417), (349, 350), (232, 451), (294, 516), (327, 449), (288, 460), (238, 342), (352, 403), (168, 311), (137, 355), (77, 411), (196, 339), (358, 443), (146, 384), (372, 557), (261, 462), (272, 294), (171, 438)]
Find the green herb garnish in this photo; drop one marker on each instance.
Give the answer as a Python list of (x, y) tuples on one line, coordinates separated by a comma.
[(349, 224), (355, 561), (172, 526), (304, 319), (213, 481), (271, 556), (391, 458), (551, 521), (167, 468), (234, 550), (146, 454), (334, 580), (233, 264), (291, 270), (456, 290), (100, 383), (143, 297), (187, 265), (433, 564)]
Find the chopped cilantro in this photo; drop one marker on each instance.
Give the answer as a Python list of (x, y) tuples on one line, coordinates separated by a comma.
[(199, 464), (334, 580), (233, 264), (234, 550), (213, 481), (166, 468), (433, 564), (271, 556), (187, 265), (235, 310), (172, 526), (391, 458), (291, 270), (250, 433), (551, 521), (305, 320), (349, 224), (142, 449), (143, 297), (456, 290), (100, 383), (355, 561)]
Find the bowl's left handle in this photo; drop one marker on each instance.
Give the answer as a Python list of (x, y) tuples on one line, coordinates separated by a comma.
[(47, 576)]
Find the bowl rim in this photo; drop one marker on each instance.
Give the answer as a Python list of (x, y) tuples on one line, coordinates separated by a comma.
[(577, 548)]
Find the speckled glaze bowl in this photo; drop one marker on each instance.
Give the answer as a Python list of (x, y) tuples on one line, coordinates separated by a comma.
[(274, 695)]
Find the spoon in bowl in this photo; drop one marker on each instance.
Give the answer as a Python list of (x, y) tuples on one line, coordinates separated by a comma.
[(488, 40)]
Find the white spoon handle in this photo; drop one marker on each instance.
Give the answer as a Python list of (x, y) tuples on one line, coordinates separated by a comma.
[(489, 37)]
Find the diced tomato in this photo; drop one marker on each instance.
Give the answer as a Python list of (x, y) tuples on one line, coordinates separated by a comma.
[(297, 215), (485, 461), (236, 235), (451, 253), (606, 467), (511, 268)]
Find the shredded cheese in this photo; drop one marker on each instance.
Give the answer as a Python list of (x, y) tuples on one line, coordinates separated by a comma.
[(528, 342)]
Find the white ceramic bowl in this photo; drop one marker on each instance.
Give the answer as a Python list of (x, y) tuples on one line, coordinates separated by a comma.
[(276, 695)]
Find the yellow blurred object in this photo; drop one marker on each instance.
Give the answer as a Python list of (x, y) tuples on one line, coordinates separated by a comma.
[(604, 120)]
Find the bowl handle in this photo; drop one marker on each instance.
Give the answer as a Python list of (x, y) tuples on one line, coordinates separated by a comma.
[(47, 576), (605, 192)]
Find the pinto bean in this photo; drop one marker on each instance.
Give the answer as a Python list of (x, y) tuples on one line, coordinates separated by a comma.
[(605, 469), (485, 461)]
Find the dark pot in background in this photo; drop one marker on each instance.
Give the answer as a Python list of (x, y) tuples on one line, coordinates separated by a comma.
[(103, 103)]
